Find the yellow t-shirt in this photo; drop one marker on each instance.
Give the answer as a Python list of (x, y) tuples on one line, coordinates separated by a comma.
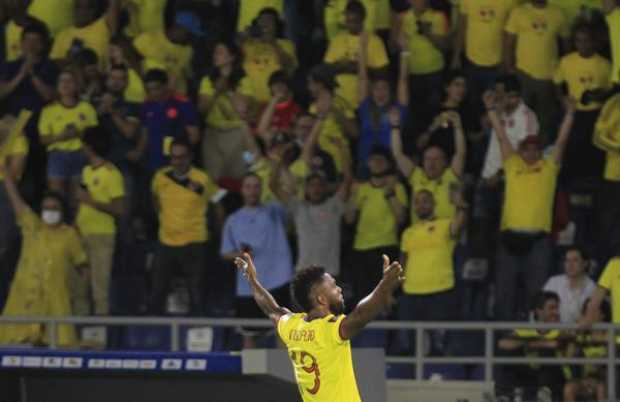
[(441, 188), (613, 22), (222, 114), (104, 184), (521, 210), (95, 36), (383, 15), (159, 52), (17, 146), (376, 11), (56, 117), (183, 206), (260, 61), (485, 28), (425, 57), (13, 41), (537, 31), (144, 16), (321, 358), (249, 9), (376, 226), (332, 132), (346, 47), (610, 280), (607, 137), (135, 91), (429, 247), (57, 14), (581, 74)]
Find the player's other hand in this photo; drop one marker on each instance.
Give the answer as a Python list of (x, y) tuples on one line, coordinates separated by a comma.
[(393, 273), (246, 266)]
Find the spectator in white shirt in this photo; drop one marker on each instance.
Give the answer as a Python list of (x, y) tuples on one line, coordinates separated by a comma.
[(519, 122), (574, 286), (518, 119)]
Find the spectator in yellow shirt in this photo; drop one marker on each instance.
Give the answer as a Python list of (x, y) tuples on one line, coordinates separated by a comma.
[(377, 208), (427, 249), (61, 125), (480, 33), (343, 52), (41, 286), (423, 32), (18, 20), (585, 75), (122, 53), (182, 194), (525, 246), (531, 49), (339, 125), (434, 174), (611, 8), (13, 152), (607, 138), (90, 30), (57, 14), (170, 49), (102, 203), (226, 103), (265, 51)]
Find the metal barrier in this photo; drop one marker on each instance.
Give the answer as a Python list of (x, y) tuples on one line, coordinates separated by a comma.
[(419, 360)]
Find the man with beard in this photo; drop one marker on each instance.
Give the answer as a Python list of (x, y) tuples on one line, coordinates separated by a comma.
[(318, 339), (378, 207)]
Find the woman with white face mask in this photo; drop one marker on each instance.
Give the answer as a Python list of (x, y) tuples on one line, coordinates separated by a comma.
[(51, 252)]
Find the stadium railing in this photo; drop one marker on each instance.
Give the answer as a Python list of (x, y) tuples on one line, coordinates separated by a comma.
[(488, 359)]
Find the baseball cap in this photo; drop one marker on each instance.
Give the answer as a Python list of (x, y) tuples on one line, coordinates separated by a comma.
[(189, 21)]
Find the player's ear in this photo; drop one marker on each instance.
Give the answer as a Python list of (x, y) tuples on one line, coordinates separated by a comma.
[(321, 300)]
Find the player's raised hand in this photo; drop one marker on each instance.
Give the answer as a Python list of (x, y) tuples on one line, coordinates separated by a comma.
[(392, 272), (246, 265)]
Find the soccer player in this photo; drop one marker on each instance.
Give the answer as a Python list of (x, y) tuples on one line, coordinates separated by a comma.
[(318, 339)]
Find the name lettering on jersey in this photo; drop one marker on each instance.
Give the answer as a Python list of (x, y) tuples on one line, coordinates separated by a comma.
[(301, 335)]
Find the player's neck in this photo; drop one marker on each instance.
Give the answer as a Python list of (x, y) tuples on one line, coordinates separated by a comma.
[(317, 313)]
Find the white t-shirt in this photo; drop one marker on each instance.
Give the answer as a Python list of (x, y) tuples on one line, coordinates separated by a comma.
[(571, 300), (518, 125)]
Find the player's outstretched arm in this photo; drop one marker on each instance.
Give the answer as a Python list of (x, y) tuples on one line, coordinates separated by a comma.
[(376, 302), (263, 298)]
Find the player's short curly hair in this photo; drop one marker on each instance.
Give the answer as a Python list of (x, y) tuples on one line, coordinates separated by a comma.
[(302, 284)]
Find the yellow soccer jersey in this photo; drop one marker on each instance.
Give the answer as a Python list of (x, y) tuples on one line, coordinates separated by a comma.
[(55, 118), (56, 14), (321, 358), (95, 36), (613, 22), (159, 52), (104, 184)]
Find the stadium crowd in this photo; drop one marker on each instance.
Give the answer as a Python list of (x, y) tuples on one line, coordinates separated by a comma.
[(476, 141)]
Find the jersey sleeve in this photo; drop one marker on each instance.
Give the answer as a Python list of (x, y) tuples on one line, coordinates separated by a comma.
[(405, 240), (607, 278), (334, 329)]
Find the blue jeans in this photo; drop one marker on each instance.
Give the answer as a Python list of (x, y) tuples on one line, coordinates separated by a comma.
[(532, 267)]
